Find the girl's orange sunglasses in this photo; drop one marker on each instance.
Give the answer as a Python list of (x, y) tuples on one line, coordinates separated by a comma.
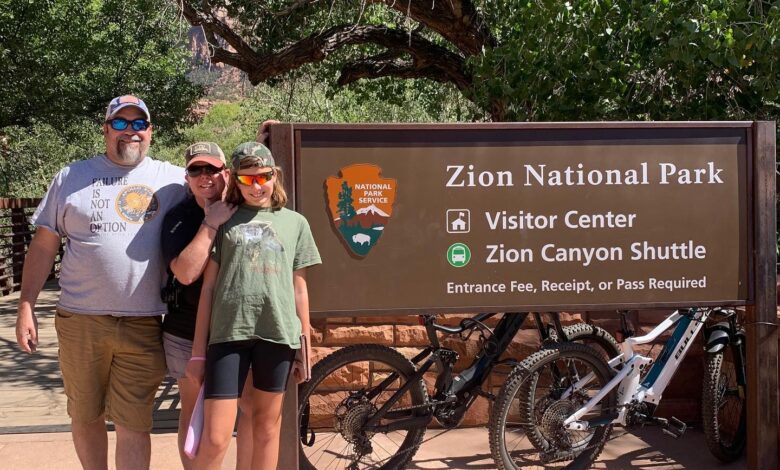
[(260, 179)]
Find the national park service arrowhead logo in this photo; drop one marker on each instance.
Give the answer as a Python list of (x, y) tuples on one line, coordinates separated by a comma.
[(360, 204)]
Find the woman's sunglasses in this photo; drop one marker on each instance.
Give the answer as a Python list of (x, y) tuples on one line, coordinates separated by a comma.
[(120, 124), (210, 170), (260, 179)]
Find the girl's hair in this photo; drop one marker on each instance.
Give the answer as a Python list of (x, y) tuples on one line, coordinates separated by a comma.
[(278, 196)]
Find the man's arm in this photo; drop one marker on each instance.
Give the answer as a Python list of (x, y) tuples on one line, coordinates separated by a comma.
[(265, 131), (37, 265)]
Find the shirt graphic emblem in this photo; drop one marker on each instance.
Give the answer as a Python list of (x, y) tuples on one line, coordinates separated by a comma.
[(137, 204)]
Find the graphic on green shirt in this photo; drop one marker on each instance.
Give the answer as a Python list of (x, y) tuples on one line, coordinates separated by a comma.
[(260, 239)]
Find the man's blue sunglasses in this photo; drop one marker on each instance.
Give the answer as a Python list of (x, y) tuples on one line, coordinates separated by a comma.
[(120, 124)]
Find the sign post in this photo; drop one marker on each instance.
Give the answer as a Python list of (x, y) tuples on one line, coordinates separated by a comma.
[(545, 217)]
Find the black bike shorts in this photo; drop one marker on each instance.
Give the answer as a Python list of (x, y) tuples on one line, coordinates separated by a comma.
[(227, 365)]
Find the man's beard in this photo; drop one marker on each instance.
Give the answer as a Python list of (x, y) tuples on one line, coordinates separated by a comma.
[(130, 155)]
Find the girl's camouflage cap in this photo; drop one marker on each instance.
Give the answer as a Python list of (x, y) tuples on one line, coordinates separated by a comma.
[(251, 154)]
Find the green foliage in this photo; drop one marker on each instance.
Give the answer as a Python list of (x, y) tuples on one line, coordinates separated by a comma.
[(555, 59), (632, 59), (306, 99), (309, 99), (227, 124), (62, 60), (30, 157)]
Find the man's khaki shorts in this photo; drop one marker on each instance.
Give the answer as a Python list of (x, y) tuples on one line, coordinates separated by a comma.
[(111, 365)]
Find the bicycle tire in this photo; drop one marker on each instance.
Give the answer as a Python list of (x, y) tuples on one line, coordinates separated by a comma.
[(328, 376), (724, 410), (592, 334), (521, 386)]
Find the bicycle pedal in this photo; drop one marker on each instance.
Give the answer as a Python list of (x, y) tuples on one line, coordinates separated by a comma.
[(674, 427), (485, 394)]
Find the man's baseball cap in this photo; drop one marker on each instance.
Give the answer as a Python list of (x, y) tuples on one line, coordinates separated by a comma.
[(124, 101), (251, 154), (206, 152)]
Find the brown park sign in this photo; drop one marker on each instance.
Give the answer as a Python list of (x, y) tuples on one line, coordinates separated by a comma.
[(526, 217)]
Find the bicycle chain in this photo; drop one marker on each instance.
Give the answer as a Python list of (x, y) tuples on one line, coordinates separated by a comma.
[(489, 396), (424, 405)]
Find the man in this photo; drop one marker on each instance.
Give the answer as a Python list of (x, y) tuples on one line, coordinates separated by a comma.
[(110, 209)]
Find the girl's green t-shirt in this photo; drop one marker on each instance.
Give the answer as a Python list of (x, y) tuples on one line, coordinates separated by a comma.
[(257, 251)]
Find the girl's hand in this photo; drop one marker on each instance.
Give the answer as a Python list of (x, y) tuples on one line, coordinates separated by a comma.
[(299, 372), (302, 362), (195, 371)]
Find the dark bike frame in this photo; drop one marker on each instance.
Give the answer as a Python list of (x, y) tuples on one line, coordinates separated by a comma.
[(458, 393)]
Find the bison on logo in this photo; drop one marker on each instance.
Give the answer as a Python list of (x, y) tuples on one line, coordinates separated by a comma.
[(360, 204)]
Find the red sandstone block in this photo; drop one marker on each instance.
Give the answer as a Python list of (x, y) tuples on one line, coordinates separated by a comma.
[(344, 335), (388, 319), (407, 335)]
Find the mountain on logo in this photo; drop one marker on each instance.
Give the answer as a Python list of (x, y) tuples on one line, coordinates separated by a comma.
[(372, 209), (360, 203), (368, 217)]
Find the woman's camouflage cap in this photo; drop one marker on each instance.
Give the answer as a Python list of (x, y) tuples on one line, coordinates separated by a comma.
[(251, 154)]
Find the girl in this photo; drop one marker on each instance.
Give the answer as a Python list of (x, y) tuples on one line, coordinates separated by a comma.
[(253, 310)]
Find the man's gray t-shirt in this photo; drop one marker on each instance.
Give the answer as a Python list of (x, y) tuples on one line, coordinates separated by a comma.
[(111, 216)]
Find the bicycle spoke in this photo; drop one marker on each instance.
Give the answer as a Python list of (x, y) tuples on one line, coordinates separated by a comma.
[(343, 397), (541, 389)]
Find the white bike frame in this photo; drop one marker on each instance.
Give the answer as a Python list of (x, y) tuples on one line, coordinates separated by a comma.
[(631, 387)]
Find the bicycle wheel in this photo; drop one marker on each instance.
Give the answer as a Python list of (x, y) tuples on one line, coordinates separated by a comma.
[(343, 393), (724, 411), (526, 425), (595, 337)]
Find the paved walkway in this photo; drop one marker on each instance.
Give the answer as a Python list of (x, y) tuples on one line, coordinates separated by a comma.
[(34, 424)]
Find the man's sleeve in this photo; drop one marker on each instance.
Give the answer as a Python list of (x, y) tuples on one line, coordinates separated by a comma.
[(49, 212)]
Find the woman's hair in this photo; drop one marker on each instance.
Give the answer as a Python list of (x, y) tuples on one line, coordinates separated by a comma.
[(278, 196)]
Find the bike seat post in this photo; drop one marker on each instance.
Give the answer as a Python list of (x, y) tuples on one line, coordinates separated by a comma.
[(624, 328)]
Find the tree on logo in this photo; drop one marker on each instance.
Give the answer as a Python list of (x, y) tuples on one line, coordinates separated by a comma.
[(346, 209)]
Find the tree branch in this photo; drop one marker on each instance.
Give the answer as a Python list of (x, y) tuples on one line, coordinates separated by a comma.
[(389, 65), (317, 47), (213, 27), (427, 60), (371, 68), (458, 21)]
